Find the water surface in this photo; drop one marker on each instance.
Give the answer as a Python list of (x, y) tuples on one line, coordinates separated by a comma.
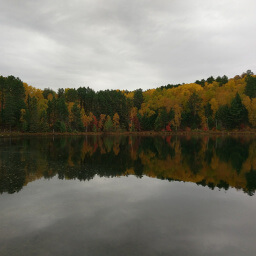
[(127, 196)]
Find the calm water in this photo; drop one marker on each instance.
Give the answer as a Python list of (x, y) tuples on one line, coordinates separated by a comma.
[(128, 196)]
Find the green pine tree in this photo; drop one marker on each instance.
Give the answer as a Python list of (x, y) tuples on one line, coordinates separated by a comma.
[(250, 88), (238, 112), (76, 118)]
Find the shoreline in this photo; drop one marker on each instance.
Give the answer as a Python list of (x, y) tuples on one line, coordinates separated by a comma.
[(144, 133)]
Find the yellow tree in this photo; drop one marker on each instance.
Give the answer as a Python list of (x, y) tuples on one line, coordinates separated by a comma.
[(23, 119), (50, 96), (42, 106), (70, 105), (177, 116), (116, 121), (146, 110), (32, 92), (133, 118), (86, 120), (101, 122), (214, 106)]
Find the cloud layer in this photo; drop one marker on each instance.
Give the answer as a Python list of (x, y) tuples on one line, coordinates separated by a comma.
[(118, 44)]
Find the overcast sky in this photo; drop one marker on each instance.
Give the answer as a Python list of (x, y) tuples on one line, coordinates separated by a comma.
[(117, 44)]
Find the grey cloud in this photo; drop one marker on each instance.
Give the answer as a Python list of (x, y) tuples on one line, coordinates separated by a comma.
[(125, 44)]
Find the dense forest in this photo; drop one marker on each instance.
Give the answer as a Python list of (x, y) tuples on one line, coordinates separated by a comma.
[(208, 104)]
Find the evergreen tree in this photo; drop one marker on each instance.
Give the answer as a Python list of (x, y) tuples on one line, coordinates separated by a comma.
[(76, 122), (62, 110), (47, 92), (43, 126), (190, 117), (71, 95), (147, 123), (52, 113), (23, 121), (201, 82), (2, 98), (158, 123), (138, 98), (250, 88), (12, 101), (161, 120), (61, 115), (238, 112), (208, 114), (61, 92), (9, 111), (222, 117), (81, 93), (34, 116), (222, 80), (210, 80)]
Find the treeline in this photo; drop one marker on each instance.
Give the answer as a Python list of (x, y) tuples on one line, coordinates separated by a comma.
[(208, 104)]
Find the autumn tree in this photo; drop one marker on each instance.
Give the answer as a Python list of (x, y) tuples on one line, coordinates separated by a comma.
[(86, 119), (134, 124), (101, 122), (163, 119), (222, 102), (177, 116), (94, 124), (247, 73), (116, 121)]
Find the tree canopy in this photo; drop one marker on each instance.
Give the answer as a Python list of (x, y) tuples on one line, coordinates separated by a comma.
[(211, 103)]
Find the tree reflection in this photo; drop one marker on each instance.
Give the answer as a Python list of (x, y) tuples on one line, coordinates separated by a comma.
[(233, 150), (12, 171), (190, 148), (251, 182), (215, 162)]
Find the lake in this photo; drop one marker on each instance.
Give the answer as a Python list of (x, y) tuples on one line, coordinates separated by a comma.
[(128, 195)]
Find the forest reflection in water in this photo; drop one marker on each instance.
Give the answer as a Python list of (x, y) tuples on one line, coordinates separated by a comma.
[(220, 162)]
